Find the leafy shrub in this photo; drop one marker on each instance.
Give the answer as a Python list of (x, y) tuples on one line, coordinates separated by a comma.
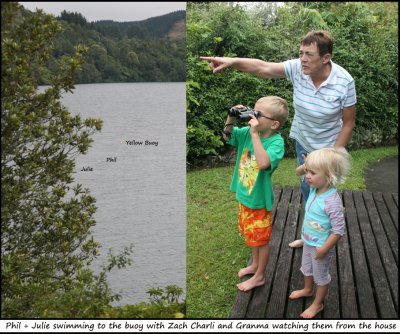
[(365, 44), (164, 304)]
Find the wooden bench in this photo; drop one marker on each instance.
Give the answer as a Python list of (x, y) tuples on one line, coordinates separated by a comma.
[(364, 269)]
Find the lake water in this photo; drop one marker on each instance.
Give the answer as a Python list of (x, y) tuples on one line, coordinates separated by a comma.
[(136, 170)]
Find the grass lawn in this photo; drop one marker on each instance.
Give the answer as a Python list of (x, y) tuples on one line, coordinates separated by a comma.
[(215, 251)]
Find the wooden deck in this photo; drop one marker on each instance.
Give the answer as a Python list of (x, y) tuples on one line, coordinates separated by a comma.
[(364, 269)]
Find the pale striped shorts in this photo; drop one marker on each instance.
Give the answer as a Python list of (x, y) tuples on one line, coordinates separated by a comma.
[(319, 269)]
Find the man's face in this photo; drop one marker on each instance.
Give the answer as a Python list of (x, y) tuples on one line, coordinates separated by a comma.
[(311, 62)]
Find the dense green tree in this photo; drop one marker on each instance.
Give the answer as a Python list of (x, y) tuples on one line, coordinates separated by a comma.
[(46, 243), (73, 17), (137, 32), (46, 219)]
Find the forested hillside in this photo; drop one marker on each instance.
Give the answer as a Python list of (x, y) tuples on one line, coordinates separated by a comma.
[(148, 50)]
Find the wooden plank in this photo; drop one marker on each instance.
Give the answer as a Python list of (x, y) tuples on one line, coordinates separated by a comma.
[(348, 302), (387, 223), (331, 304), (279, 293), (392, 206), (296, 306), (277, 197), (242, 300), (383, 297), (396, 199), (261, 294), (384, 250), (365, 296)]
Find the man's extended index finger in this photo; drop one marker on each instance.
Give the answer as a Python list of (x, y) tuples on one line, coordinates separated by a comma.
[(206, 58)]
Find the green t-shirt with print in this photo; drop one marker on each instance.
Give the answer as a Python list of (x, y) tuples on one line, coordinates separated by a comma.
[(253, 186)]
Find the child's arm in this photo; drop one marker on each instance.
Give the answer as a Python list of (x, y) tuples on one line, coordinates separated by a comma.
[(329, 243), (228, 127), (334, 210), (261, 154), (230, 121), (301, 170)]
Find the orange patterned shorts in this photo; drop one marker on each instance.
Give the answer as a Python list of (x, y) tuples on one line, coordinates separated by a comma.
[(255, 225)]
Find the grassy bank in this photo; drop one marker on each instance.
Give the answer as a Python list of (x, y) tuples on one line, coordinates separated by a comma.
[(215, 250)]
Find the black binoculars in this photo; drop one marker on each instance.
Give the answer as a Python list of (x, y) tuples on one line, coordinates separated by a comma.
[(242, 114)]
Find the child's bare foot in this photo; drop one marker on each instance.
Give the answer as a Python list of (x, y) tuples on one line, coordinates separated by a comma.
[(296, 244), (300, 293), (312, 311), (250, 270), (250, 284)]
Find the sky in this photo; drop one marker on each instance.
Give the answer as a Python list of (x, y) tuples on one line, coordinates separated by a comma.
[(116, 11)]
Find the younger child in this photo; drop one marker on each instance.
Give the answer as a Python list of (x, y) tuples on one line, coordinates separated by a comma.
[(323, 224), (260, 149)]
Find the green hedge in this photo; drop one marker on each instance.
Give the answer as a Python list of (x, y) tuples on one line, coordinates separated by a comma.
[(365, 44)]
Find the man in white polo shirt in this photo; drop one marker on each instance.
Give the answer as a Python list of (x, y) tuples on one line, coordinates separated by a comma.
[(324, 95)]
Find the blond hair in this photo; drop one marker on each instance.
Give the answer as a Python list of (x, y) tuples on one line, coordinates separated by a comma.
[(335, 163), (278, 107)]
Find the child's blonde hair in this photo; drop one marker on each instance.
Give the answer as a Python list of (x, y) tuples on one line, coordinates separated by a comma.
[(278, 107), (335, 163)]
